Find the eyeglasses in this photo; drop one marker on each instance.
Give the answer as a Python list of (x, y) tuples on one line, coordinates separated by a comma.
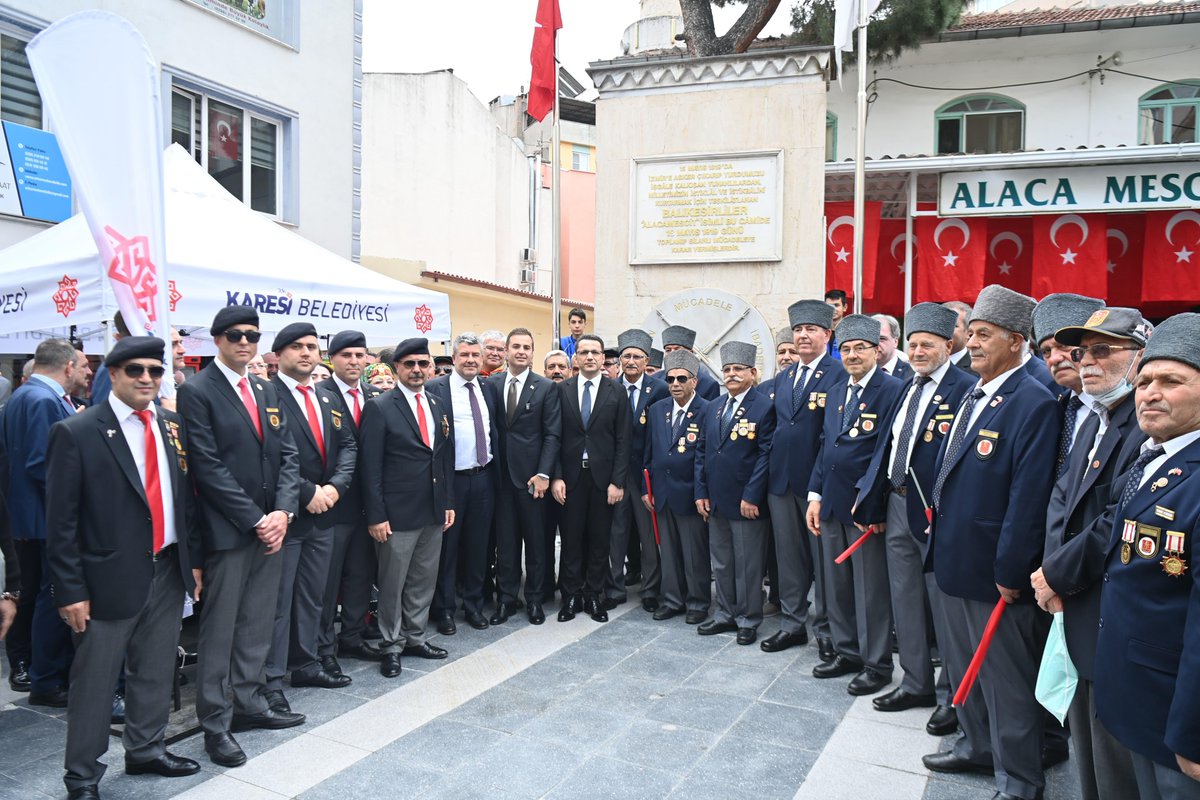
[(235, 336), (422, 363), (137, 370), (857, 349), (1099, 351), (444, 370), (632, 357), (677, 378)]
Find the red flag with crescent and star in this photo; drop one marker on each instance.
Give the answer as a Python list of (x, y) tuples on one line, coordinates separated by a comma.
[(951, 255), (1171, 257), (542, 81), (888, 297), (839, 246), (1126, 237), (1070, 254), (1010, 253)]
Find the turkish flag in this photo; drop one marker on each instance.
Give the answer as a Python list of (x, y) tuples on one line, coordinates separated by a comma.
[(839, 246), (951, 254), (1070, 254), (1126, 237), (888, 297), (1010, 253), (224, 135), (1171, 258), (542, 82)]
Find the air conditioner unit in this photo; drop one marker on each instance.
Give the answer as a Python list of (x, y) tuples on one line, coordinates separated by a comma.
[(528, 254)]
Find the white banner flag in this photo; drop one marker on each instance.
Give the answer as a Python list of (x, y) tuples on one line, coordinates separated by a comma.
[(102, 90), (845, 23)]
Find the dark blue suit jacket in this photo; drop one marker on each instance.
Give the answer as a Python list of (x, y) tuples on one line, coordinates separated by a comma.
[(652, 392), (931, 427), (28, 415), (904, 371), (1041, 373), (991, 525), (439, 387), (673, 473), (706, 386), (846, 453), (798, 430), (1148, 655), (730, 470)]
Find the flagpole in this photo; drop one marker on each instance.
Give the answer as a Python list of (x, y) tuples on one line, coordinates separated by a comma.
[(556, 203), (860, 146)]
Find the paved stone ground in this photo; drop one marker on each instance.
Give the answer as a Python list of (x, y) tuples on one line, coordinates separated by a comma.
[(577, 711)]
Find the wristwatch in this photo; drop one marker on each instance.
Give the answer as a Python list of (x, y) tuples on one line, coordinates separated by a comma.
[(14, 596), (291, 515)]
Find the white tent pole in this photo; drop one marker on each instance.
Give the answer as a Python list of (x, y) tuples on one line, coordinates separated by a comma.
[(860, 146)]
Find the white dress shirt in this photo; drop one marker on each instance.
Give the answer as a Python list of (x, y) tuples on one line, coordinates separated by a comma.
[(344, 389), (989, 390), (234, 379), (297, 395), (1170, 448), (135, 436), (812, 370), (411, 397), (926, 394), (464, 422)]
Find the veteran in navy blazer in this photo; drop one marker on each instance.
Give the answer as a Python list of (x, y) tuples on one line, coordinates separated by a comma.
[(680, 337)]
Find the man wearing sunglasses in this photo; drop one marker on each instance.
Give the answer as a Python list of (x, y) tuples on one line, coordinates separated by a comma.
[(246, 471), (122, 547)]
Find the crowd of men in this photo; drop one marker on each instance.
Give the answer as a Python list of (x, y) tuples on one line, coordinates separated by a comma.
[(1040, 454)]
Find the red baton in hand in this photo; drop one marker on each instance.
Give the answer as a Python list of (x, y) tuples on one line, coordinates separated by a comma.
[(849, 551), (653, 515), (985, 642)]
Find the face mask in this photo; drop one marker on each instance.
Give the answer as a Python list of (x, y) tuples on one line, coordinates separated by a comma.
[(1109, 398)]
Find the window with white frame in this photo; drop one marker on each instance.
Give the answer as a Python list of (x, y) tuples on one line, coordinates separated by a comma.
[(830, 136), (981, 124), (240, 148), (19, 98), (1168, 114), (581, 159)]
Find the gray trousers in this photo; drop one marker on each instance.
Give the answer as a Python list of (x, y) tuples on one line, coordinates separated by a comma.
[(1002, 722), (1156, 782), (1104, 764), (856, 591), (352, 571), (686, 571), (408, 568), (906, 580), (146, 644), (237, 617), (794, 552), (627, 514), (738, 549), (298, 610), (946, 682)]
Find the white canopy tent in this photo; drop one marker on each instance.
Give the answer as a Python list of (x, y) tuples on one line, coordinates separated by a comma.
[(219, 253)]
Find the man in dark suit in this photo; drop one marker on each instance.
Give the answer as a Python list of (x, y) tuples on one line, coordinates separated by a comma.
[(1070, 579), (327, 453), (893, 494), (677, 337), (247, 479), (731, 492), (630, 517), (890, 362), (801, 393), (856, 592), (121, 547), (960, 356), (352, 563), (1053, 313), (38, 636), (993, 485), (464, 545), (672, 436), (528, 416), (592, 467), (406, 463)]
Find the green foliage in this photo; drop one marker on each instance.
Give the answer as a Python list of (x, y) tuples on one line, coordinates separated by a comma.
[(896, 26)]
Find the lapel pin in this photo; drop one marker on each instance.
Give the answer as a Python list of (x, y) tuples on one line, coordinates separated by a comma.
[(111, 433), (324, 399), (1175, 471)]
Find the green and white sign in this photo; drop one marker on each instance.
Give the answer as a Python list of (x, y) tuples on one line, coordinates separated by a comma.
[(1116, 187)]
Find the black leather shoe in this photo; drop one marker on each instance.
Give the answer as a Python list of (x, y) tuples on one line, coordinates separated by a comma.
[(694, 617), (649, 605), (330, 664), (167, 765), (594, 609), (18, 677), (633, 578), (609, 603), (424, 650), (867, 682), (825, 649), (943, 721), (389, 667), (277, 701), (223, 749), (363, 652), (446, 626), (747, 635), (712, 627), (948, 762), (782, 640), (477, 620), (900, 700), (536, 615), (839, 666), (118, 709), (503, 612), (1007, 796), (666, 612), (570, 607), (321, 679), (55, 698), (84, 793), (267, 720), (1052, 756)]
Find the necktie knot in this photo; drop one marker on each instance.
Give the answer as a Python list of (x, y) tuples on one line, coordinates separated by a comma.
[(146, 416)]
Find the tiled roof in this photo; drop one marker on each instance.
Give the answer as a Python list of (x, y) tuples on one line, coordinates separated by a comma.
[(436, 276), (1073, 15)]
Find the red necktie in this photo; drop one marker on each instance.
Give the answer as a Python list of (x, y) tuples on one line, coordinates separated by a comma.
[(251, 409), (313, 421), (423, 424), (153, 485), (357, 406)]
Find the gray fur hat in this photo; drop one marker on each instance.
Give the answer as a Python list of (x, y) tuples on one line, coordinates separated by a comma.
[(784, 336), (1176, 339), (930, 318), (858, 327), (1002, 306), (739, 353), (681, 359), (1057, 311), (677, 334), (634, 338), (811, 312)]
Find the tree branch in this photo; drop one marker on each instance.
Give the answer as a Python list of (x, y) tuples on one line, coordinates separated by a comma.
[(743, 33), (699, 30)]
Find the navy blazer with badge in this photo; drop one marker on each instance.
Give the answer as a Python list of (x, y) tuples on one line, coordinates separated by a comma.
[(1148, 654), (798, 429), (651, 393), (240, 478), (341, 450), (405, 481), (845, 453), (730, 470), (101, 535), (529, 446), (349, 508), (931, 429), (28, 415), (608, 452), (672, 471), (991, 525)]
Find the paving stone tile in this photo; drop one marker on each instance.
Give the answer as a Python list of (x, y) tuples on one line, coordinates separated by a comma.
[(33, 741), (607, 779), (519, 767), (15, 790), (696, 708), (501, 709), (759, 768), (795, 687), (548, 678), (660, 745), (632, 697), (664, 668), (377, 777), (938, 789), (443, 745), (578, 727), (786, 726), (739, 679)]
